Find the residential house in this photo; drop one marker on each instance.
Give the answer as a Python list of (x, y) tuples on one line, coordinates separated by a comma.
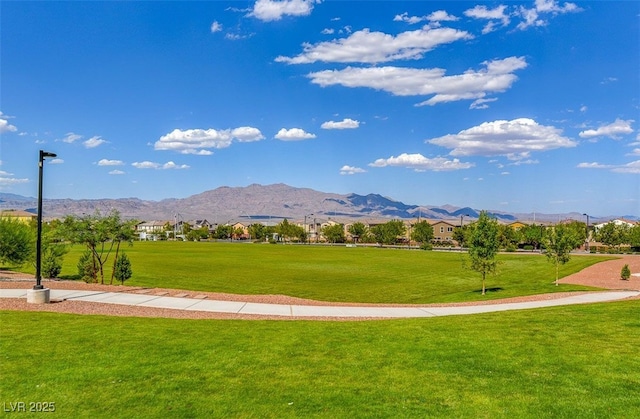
[(443, 230), (22, 216)]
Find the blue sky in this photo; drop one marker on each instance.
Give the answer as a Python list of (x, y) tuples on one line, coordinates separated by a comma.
[(512, 106)]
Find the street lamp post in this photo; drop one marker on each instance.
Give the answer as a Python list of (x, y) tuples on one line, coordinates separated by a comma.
[(587, 246), (39, 294)]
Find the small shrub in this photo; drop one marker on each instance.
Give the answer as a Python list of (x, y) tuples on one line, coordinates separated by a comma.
[(625, 273), (426, 246)]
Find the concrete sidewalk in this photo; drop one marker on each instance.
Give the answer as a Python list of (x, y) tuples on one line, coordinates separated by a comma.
[(236, 307)]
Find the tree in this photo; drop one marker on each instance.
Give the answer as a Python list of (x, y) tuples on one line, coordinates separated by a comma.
[(388, 232), (101, 234), (422, 232), (257, 231), (334, 233), (532, 235), (483, 246), (612, 234), (17, 241), (634, 236), (460, 235), (357, 230), (625, 273), (559, 241), (223, 232), (288, 231), (122, 268), (198, 234), (508, 237)]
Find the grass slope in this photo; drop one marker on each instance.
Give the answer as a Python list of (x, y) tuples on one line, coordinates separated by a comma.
[(338, 273), (575, 361)]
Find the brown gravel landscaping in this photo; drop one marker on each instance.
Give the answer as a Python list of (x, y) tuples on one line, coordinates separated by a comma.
[(602, 275)]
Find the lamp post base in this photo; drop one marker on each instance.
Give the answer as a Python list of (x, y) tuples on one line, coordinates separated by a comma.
[(39, 296)]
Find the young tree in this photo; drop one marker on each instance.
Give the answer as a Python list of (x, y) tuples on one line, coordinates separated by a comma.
[(532, 234), (223, 232), (122, 268), (483, 245), (334, 233), (422, 232), (101, 234), (17, 241), (559, 241)]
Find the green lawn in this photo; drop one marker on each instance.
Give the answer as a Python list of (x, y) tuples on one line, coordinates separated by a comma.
[(337, 273), (566, 362)]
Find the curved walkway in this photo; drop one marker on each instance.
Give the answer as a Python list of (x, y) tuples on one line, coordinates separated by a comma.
[(326, 311)]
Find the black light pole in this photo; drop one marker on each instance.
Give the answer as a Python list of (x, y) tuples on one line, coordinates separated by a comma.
[(43, 155), (587, 247)]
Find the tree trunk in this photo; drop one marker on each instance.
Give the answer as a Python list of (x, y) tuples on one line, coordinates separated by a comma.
[(557, 268), (483, 289), (113, 272)]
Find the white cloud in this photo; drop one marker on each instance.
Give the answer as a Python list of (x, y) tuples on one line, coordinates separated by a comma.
[(172, 165), (5, 126), (351, 170), (327, 31), (247, 134), (199, 141), (270, 10), (154, 165), (482, 103), (532, 17), (612, 130), (117, 172), (9, 181), (514, 139), (56, 161), (376, 47), (481, 12), (94, 142), (346, 123), (293, 134), (497, 76), (216, 26), (105, 162), (629, 168), (441, 16), (70, 138), (420, 163), (583, 108)]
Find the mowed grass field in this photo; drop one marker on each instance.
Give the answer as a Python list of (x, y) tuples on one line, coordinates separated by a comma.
[(563, 362), (338, 273)]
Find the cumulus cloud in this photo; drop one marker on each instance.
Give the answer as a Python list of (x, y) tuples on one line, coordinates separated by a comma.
[(535, 16), (158, 166), (351, 170), (346, 123), (498, 13), (105, 162), (496, 76), (376, 47), (117, 172), (514, 139), (71, 137), (5, 126), (94, 142), (270, 10), (216, 26), (629, 168), (612, 130), (437, 16), (199, 141), (293, 134), (420, 163)]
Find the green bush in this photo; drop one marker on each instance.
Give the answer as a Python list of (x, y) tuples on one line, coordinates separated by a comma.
[(625, 273), (87, 267)]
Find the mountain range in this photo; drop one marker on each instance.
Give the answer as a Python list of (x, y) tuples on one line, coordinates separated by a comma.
[(262, 202)]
